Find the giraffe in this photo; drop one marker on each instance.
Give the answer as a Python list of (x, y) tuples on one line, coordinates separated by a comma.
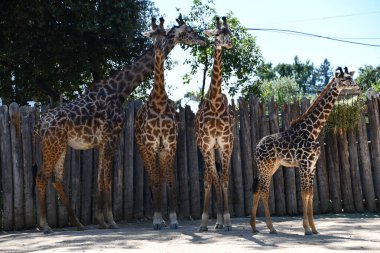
[(214, 132), (95, 120), (297, 146), (156, 132)]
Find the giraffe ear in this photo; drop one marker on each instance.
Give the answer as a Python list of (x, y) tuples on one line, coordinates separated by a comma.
[(210, 33), (351, 73)]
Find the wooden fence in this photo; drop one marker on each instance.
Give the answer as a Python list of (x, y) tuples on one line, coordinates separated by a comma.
[(348, 170)]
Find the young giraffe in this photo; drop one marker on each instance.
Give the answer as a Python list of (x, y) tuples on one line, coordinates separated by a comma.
[(156, 133), (95, 120), (297, 146), (213, 125)]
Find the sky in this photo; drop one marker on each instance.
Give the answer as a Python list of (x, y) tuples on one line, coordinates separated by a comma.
[(351, 20)]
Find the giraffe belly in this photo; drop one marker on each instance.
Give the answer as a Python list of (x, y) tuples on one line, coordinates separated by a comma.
[(80, 144)]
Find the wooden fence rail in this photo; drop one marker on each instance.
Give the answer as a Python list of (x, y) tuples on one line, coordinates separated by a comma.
[(347, 179)]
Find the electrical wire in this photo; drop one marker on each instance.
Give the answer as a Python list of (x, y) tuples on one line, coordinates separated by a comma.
[(311, 35)]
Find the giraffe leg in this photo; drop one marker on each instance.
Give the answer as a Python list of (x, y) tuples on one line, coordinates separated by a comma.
[(167, 161), (41, 182), (307, 172), (209, 157), (226, 156), (99, 210), (310, 212), (59, 187), (255, 204), (109, 151), (51, 154), (305, 207), (268, 221)]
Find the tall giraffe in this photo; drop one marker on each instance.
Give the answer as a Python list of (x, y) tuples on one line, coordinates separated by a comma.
[(95, 120), (213, 125), (297, 146), (156, 133)]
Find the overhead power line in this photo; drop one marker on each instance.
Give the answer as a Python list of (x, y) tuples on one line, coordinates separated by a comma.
[(322, 18), (311, 35)]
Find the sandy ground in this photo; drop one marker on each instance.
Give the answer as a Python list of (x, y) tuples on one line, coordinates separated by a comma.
[(360, 232)]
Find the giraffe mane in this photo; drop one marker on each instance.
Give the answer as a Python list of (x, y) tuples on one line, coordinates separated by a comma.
[(313, 105)]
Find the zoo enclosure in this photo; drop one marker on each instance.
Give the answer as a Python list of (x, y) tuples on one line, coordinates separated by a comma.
[(347, 177)]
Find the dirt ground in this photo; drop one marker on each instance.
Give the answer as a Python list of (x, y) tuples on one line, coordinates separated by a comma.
[(360, 232)]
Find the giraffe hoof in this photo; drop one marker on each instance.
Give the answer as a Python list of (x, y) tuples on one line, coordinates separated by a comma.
[(114, 226), (228, 228), (80, 228), (308, 232), (255, 231), (203, 229), (274, 231), (315, 232), (218, 226), (157, 226), (102, 225), (48, 230), (174, 226)]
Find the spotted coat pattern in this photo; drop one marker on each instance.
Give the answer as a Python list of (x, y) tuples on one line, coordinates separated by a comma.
[(156, 131), (95, 120), (297, 147), (214, 133)]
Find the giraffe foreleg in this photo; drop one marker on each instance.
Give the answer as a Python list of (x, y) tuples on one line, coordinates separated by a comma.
[(109, 152), (167, 161), (209, 158), (226, 158)]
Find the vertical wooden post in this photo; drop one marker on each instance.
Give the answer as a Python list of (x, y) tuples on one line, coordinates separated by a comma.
[(236, 169), (365, 165), (17, 168), (246, 154), (345, 177), (75, 181), (130, 209), (142, 197), (374, 130), (333, 168), (255, 120), (193, 166), (355, 170), (6, 170), (278, 176), (184, 203), (27, 150)]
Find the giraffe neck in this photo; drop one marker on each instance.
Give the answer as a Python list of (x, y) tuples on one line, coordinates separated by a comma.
[(120, 85), (158, 93), (316, 116), (215, 90)]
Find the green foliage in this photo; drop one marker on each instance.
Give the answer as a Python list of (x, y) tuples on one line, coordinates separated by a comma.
[(239, 63), (49, 48), (345, 114), (283, 89), (369, 76)]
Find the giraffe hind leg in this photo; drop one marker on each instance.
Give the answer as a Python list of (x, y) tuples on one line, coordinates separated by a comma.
[(255, 204), (42, 179), (60, 189), (166, 160)]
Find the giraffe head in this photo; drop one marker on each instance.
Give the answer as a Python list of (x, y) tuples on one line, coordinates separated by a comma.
[(184, 34), (344, 80), (158, 33), (222, 34)]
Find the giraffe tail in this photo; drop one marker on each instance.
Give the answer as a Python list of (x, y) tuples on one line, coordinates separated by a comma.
[(255, 185)]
